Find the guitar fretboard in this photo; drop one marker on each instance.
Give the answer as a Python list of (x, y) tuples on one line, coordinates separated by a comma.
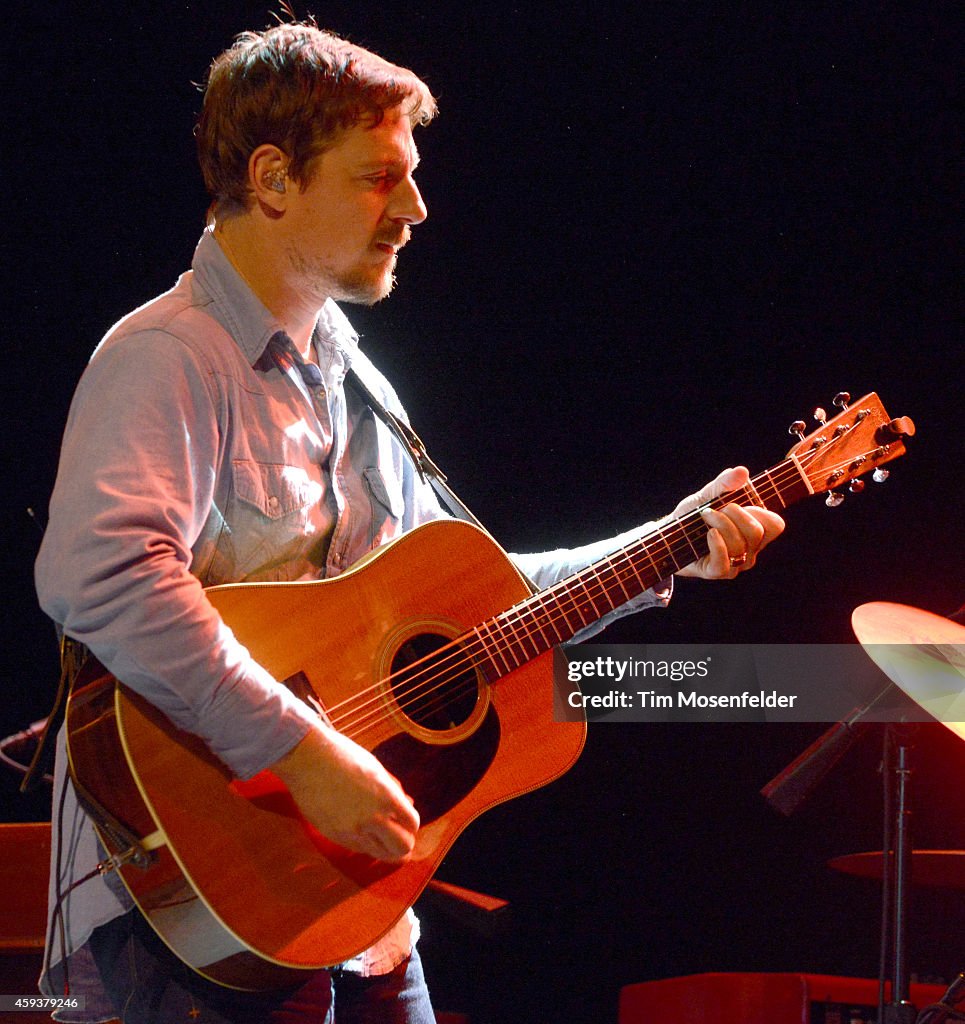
[(556, 615)]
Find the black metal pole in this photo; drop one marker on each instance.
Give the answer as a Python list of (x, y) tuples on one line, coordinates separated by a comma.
[(896, 879)]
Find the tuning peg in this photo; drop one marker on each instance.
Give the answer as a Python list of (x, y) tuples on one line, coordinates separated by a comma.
[(896, 429), (798, 427), (833, 499), (856, 486), (821, 416), (880, 475), (841, 400)]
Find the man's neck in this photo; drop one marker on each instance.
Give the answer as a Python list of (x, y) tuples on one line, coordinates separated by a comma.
[(260, 267)]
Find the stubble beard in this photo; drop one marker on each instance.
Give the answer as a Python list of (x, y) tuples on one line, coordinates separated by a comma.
[(362, 285)]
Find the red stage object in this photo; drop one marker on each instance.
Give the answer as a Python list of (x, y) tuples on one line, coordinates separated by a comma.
[(759, 999), (24, 871)]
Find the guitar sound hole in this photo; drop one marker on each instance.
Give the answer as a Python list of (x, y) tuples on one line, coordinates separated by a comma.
[(440, 692)]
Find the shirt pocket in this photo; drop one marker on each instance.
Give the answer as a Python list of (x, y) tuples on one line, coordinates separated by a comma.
[(273, 489), (387, 505), (273, 516)]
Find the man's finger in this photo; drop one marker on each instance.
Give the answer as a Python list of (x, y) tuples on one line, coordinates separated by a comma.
[(727, 480)]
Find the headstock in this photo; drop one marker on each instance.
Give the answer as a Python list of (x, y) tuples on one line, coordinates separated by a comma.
[(860, 439)]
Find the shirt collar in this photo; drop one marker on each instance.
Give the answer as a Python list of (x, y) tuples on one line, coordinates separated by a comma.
[(243, 315), (332, 329)]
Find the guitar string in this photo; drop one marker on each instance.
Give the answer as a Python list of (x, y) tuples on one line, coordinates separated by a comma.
[(461, 654), (510, 645)]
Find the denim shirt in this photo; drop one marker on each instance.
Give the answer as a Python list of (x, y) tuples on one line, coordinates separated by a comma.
[(200, 449)]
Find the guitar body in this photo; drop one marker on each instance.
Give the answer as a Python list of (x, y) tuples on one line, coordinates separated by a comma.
[(240, 887)]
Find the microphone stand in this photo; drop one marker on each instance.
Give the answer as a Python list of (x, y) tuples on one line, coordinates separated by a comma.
[(795, 783)]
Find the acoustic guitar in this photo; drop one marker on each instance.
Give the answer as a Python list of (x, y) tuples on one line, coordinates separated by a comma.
[(434, 654)]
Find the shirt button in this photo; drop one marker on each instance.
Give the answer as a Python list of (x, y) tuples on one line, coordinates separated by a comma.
[(273, 503)]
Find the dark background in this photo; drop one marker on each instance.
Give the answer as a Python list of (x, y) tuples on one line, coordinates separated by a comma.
[(655, 239)]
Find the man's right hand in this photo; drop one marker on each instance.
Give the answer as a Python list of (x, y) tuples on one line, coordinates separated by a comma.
[(345, 792)]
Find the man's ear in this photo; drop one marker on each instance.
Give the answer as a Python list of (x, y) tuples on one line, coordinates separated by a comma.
[(268, 178)]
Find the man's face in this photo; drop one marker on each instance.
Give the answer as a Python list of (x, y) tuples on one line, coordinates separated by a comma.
[(341, 234)]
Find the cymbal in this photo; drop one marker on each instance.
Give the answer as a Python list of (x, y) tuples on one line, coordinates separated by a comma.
[(945, 868), (922, 653)]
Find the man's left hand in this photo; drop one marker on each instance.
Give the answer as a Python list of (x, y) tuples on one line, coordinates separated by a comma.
[(736, 533)]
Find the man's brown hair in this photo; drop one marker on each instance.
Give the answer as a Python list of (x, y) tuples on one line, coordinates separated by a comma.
[(294, 86)]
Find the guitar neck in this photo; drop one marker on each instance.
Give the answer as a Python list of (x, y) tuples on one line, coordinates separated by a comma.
[(557, 614)]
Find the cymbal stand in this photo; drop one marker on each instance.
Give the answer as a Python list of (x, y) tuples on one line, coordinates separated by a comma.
[(896, 876), (795, 783)]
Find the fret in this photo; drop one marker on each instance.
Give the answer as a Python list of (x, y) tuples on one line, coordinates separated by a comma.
[(766, 485), (513, 621), (575, 601), (544, 616), (600, 588), (513, 645), (774, 488), (751, 491), (662, 568), (492, 628), (567, 607), (486, 660), (615, 572), (686, 534), (655, 573)]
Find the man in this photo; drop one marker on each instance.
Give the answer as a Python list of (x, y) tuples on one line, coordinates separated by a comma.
[(213, 439)]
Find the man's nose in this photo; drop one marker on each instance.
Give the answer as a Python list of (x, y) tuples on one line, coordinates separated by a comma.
[(407, 203)]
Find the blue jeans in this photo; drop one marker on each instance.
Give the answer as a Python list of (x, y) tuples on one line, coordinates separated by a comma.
[(149, 985)]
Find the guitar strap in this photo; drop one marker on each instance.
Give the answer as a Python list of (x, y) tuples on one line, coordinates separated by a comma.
[(412, 443), (426, 468), (73, 657)]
